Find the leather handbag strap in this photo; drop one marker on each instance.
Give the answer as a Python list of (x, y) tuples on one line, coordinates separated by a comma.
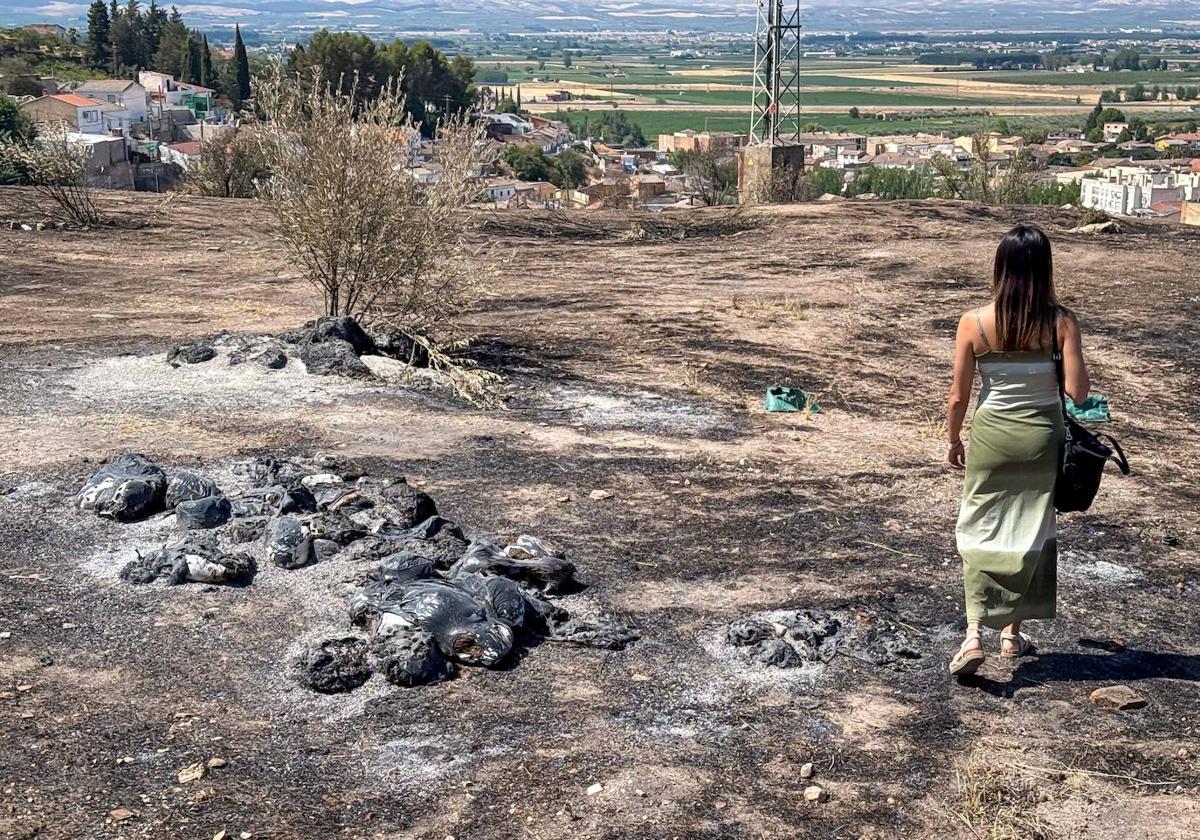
[(1057, 356)]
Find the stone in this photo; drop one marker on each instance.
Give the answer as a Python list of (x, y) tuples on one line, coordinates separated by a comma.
[(192, 773), (340, 328), (272, 359), (191, 354), (594, 789), (333, 358), (814, 793), (806, 770), (1119, 697), (600, 495), (120, 814), (216, 762)]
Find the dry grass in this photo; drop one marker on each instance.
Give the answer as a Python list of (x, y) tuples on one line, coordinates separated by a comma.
[(770, 307), (999, 801)]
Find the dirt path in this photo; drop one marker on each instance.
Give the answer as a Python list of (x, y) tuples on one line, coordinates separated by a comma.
[(636, 368)]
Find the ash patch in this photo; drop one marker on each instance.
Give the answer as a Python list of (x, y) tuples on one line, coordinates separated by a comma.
[(1081, 570), (810, 640), (425, 758), (635, 410)]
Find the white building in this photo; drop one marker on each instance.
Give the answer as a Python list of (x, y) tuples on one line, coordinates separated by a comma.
[(125, 94), (1112, 197), (500, 190), (1130, 189), (1113, 130)]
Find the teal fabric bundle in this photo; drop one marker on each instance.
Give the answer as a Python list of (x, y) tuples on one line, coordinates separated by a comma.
[(784, 398), (1092, 410)]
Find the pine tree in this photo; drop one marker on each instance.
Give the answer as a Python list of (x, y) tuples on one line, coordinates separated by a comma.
[(241, 67), (152, 27), (173, 46), (99, 50), (207, 77), (518, 97)]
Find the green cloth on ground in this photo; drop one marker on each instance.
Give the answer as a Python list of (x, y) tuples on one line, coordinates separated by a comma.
[(1092, 410), (784, 398)]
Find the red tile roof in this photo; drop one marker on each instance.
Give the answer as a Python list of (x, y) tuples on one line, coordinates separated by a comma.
[(76, 100), (189, 148)]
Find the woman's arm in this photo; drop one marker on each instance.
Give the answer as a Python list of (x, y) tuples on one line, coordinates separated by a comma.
[(960, 391), (1075, 375)]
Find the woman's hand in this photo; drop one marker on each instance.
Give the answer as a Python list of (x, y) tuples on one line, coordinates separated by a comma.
[(957, 456)]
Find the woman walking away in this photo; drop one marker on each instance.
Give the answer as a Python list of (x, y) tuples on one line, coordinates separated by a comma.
[(1007, 534)]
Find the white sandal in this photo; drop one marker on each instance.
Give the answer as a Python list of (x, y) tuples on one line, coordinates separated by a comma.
[(1023, 644), (967, 662)]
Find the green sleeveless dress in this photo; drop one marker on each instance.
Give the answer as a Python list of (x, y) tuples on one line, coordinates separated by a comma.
[(1007, 533)]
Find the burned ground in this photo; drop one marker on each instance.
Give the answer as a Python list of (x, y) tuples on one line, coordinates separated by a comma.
[(637, 368)]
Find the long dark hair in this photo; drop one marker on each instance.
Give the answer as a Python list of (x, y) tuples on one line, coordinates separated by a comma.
[(1023, 288)]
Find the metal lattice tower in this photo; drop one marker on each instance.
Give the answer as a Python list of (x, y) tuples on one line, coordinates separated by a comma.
[(776, 72)]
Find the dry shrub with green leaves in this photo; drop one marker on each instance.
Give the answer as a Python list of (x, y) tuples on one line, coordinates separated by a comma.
[(56, 166), (396, 254), (230, 166)]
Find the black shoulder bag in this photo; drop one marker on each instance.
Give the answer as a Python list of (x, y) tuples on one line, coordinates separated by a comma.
[(1083, 453)]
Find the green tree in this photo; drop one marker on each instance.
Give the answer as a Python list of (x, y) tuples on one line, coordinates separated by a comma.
[(570, 169), (152, 26), (241, 68), (352, 63), (529, 163), (15, 126), (127, 39), (208, 77), (194, 62), (854, 112), (566, 60), (99, 48), (174, 45)]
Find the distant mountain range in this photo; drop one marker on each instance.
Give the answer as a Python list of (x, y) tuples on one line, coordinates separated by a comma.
[(390, 16)]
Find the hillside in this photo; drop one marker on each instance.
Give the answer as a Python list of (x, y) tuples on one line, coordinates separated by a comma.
[(636, 369)]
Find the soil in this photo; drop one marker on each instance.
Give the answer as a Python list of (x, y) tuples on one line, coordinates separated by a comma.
[(636, 368)]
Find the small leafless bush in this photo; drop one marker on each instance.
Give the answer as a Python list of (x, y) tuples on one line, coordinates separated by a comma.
[(56, 166), (394, 253), (230, 166), (1093, 216)]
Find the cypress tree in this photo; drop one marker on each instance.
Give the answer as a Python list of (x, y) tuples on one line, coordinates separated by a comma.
[(99, 48), (241, 64), (207, 78), (192, 74), (114, 18)]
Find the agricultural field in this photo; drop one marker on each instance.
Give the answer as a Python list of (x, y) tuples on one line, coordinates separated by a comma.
[(666, 95)]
